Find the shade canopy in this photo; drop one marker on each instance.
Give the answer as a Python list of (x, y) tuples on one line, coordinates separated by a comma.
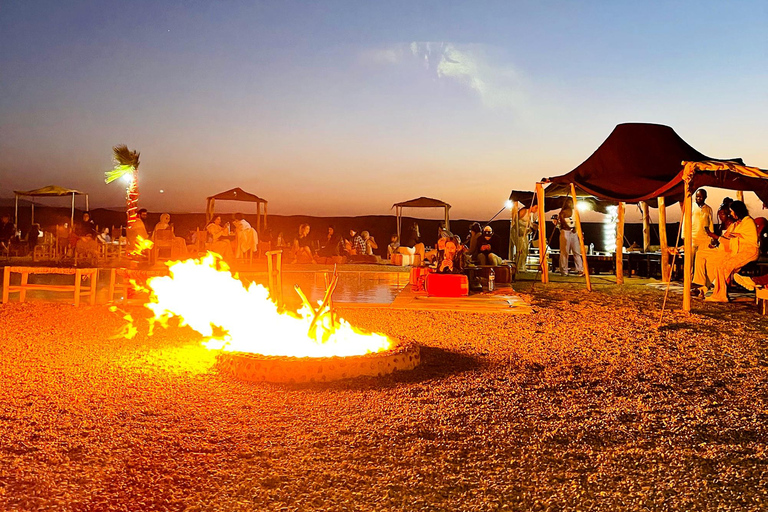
[(49, 191), (421, 202), (555, 202), (238, 194), (640, 162)]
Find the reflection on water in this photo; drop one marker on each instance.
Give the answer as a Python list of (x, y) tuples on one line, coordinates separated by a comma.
[(367, 287)]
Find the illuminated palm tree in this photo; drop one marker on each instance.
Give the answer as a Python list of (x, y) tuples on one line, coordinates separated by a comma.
[(127, 166)]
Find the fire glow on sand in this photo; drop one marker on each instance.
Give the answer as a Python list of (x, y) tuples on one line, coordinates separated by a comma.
[(272, 345)]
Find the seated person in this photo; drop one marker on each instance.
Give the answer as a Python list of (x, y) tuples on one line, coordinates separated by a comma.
[(247, 237), (178, 244), (331, 246), (394, 245), (7, 231), (219, 238), (370, 243), (475, 232), (355, 246), (33, 236), (738, 246), (104, 237), (302, 246), (488, 247), (452, 261)]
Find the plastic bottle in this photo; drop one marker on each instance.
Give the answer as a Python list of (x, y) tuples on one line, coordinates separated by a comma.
[(591, 248), (491, 280)]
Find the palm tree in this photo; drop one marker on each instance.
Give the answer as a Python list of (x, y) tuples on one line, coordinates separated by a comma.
[(127, 164)]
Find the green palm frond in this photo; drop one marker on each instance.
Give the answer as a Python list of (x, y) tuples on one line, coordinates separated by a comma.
[(118, 172), (126, 161)]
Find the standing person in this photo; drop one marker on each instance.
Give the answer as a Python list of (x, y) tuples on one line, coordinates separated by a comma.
[(487, 247), (701, 222), (527, 223), (569, 240)]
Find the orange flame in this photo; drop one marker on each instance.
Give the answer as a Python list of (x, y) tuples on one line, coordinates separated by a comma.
[(203, 294), (142, 244)]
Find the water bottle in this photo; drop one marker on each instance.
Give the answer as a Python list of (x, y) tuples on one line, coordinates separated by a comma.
[(591, 248), (491, 280)]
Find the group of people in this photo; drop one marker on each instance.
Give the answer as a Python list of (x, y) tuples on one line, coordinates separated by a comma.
[(333, 247), (719, 252)]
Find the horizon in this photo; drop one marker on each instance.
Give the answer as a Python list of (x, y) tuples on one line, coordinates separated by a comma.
[(342, 108)]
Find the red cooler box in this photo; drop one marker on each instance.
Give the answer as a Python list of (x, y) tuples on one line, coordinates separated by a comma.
[(447, 285)]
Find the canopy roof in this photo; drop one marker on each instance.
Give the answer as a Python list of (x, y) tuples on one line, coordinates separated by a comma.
[(422, 202), (49, 191), (555, 202), (640, 162), (237, 194)]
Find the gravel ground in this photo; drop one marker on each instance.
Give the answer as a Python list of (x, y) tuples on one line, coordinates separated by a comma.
[(581, 405)]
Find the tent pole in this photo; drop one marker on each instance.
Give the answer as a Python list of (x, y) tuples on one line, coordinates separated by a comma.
[(397, 220), (258, 217), (646, 226), (740, 195), (16, 213), (33, 211), (577, 218), (447, 217), (72, 217), (620, 244), (665, 274), (265, 215), (688, 263), (87, 204), (543, 260), (513, 234)]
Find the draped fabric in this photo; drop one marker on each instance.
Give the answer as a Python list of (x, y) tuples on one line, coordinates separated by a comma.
[(640, 162)]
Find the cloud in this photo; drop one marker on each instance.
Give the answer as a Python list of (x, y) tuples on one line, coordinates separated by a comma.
[(497, 85)]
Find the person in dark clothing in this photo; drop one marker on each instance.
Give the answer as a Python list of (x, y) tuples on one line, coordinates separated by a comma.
[(7, 231), (32, 236), (488, 247), (413, 236), (331, 245), (87, 227)]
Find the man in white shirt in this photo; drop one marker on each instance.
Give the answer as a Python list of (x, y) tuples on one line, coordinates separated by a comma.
[(702, 221)]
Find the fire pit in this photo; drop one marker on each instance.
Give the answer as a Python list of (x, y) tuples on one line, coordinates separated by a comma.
[(280, 369), (259, 341)]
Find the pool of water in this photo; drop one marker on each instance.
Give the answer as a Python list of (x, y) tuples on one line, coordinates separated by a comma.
[(357, 287)]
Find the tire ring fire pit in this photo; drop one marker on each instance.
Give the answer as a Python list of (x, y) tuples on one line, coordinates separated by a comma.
[(292, 370)]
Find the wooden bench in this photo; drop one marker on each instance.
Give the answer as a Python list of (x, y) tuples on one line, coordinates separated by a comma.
[(761, 296), (77, 288)]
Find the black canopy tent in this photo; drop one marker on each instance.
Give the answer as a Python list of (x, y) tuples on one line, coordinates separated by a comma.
[(650, 163), (49, 191), (238, 194), (420, 202)]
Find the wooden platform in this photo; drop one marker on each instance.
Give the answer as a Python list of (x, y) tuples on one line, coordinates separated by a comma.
[(497, 302)]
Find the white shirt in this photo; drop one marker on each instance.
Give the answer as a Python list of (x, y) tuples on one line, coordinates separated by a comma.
[(702, 217)]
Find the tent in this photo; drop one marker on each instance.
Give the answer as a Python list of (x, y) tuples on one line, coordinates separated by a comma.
[(49, 191), (421, 202), (651, 164), (238, 194), (637, 162)]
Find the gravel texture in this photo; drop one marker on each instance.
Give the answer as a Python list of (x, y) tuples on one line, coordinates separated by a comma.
[(582, 405)]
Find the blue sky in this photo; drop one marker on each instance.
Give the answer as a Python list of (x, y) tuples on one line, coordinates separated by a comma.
[(343, 108)]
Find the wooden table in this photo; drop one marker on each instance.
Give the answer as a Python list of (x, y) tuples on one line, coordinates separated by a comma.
[(77, 288)]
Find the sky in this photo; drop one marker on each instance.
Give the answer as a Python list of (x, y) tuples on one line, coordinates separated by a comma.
[(346, 107)]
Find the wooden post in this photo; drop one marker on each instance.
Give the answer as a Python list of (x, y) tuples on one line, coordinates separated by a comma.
[(665, 269), (740, 195), (78, 277), (275, 270), (577, 218), (620, 244), (94, 280), (513, 233), (688, 266), (24, 281), (265, 216), (6, 283), (543, 263), (646, 226), (258, 217)]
